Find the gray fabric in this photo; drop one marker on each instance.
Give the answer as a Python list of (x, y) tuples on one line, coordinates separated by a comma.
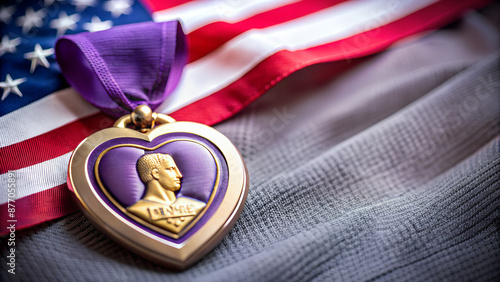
[(388, 172)]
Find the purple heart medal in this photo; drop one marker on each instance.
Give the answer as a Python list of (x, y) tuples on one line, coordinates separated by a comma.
[(168, 190)]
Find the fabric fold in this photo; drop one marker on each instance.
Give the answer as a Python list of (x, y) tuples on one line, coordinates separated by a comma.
[(125, 66)]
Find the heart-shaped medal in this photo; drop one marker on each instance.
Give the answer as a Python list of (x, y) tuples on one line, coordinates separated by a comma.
[(169, 193)]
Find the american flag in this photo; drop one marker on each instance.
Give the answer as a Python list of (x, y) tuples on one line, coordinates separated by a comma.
[(237, 51)]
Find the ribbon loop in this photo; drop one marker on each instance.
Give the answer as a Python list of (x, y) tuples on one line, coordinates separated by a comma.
[(123, 67)]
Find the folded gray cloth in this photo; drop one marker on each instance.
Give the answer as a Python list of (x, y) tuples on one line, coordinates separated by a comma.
[(387, 172)]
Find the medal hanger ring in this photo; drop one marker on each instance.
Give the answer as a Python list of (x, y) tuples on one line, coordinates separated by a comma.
[(143, 118)]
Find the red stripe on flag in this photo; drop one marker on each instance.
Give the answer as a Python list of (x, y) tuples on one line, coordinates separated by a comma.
[(155, 5), (51, 144), (233, 98), (210, 37), (37, 208)]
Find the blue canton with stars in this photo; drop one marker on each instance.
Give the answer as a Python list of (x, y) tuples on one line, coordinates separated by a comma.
[(28, 31)]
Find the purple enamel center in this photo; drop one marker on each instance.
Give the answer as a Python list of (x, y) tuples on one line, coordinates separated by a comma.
[(196, 158), (118, 172)]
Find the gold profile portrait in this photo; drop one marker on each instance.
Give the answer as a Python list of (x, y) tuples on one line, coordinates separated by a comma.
[(159, 205)]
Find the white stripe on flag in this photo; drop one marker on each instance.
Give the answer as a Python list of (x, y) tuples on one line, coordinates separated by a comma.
[(229, 62), (46, 114), (37, 178), (196, 14)]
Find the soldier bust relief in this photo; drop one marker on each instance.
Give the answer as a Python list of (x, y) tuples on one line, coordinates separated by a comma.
[(159, 205)]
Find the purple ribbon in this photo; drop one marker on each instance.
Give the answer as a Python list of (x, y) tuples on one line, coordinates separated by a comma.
[(125, 66)]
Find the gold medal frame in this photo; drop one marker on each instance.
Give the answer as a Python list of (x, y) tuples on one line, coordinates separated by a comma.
[(140, 241)]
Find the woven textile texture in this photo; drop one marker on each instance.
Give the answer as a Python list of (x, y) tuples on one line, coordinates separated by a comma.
[(388, 172)]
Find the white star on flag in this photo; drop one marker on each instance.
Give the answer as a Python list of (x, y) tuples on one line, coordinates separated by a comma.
[(9, 45), (6, 13), (39, 57), (64, 22), (31, 19), (97, 25), (118, 7), (10, 85), (81, 5)]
